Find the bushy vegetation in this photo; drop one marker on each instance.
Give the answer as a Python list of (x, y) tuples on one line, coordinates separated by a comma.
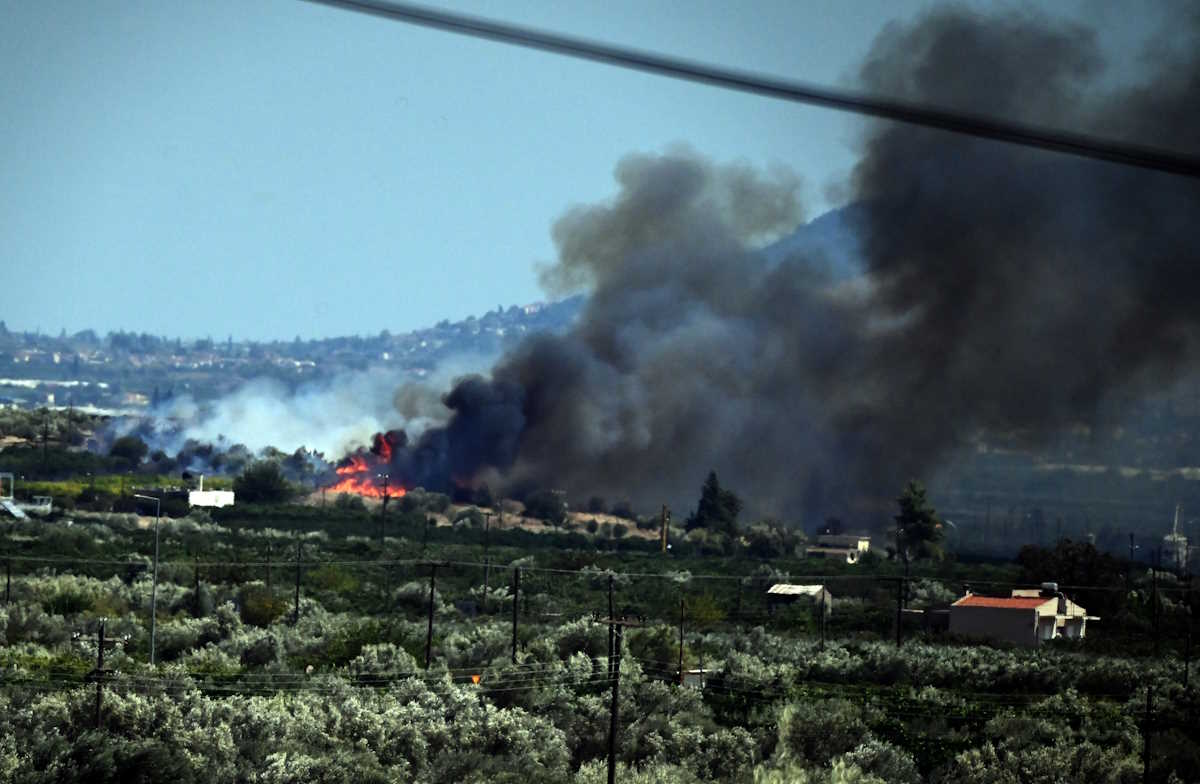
[(247, 689)]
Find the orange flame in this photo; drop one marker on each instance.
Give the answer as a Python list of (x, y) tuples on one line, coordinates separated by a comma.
[(357, 477)]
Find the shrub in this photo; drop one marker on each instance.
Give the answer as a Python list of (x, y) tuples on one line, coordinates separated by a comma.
[(470, 516), (547, 505), (885, 761), (816, 732), (131, 449), (68, 602), (260, 607), (348, 502), (261, 652), (332, 578), (262, 483)]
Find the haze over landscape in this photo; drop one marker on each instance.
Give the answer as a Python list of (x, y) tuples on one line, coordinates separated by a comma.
[(425, 309)]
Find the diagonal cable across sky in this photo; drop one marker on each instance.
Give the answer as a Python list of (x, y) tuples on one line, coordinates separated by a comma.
[(1082, 145)]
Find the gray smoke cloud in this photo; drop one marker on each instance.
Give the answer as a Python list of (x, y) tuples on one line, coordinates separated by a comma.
[(1028, 288), (1005, 290)]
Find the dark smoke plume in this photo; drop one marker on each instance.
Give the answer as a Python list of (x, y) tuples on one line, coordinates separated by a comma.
[(1004, 290)]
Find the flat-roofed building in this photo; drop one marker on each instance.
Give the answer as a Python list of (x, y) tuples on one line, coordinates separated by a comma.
[(848, 547)]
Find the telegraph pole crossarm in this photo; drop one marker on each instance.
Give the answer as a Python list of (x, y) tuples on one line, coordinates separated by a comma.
[(618, 625), (99, 673), (433, 567)]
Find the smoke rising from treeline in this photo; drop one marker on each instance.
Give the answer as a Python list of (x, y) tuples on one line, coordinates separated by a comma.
[(1005, 290)]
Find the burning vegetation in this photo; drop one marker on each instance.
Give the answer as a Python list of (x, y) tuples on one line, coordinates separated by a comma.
[(366, 472)]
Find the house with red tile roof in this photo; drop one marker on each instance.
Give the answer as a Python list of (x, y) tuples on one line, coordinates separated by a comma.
[(1027, 617)]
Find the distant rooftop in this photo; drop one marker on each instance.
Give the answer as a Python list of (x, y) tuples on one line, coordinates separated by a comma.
[(784, 589), (1004, 602)]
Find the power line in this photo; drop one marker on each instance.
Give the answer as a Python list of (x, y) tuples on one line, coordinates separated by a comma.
[(681, 578), (1078, 144)]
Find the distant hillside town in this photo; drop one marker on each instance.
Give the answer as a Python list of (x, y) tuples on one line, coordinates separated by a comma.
[(126, 372)]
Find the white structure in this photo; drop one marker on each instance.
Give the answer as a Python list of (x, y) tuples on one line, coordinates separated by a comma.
[(1175, 546), (785, 593), (849, 547), (202, 497), (41, 504)]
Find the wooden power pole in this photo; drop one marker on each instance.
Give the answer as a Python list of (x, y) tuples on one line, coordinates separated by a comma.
[(100, 673), (618, 626)]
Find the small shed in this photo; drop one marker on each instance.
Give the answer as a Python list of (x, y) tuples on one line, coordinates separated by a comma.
[(788, 593)]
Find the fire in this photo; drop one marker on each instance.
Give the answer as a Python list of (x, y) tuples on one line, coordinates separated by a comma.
[(358, 476)]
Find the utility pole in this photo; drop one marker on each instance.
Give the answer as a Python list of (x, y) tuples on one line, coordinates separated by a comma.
[(99, 674), (388, 568), (429, 632), (268, 567), (1187, 655), (614, 708), (154, 585), (1187, 650), (665, 528), (487, 566), (383, 507), (1154, 574), (196, 586), (821, 620), (296, 611), (1129, 569), (618, 625), (1146, 731), (681, 611), (611, 629), (899, 610), (516, 599)]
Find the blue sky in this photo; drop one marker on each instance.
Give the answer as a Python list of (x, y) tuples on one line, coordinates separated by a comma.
[(277, 168)]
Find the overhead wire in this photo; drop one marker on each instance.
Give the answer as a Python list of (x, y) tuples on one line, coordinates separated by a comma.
[(677, 577), (1055, 140)]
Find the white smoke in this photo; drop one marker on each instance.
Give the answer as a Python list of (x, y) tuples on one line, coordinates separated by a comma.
[(332, 416)]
